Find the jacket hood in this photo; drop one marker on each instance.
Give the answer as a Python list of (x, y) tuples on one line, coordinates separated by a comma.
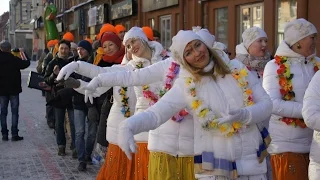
[(285, 50)]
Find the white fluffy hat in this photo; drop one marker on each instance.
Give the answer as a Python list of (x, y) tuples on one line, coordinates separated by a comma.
[(252, 34), (220, 46), (180, 41), (134, 32), (207, 37), (298, 29), (73, 45)]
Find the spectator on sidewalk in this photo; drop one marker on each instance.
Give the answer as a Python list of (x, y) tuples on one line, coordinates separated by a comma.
[(61, 104), (10, 78)]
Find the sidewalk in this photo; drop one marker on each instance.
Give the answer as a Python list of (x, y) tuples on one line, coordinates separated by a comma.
[(35, 157)]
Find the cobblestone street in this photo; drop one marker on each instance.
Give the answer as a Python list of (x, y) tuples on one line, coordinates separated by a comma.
[(35, 157)]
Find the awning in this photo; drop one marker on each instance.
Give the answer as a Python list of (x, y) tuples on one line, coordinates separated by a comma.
[(59, 15)]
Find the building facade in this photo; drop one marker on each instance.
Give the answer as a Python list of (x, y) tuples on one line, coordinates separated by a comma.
[(3, 26), (226, 19), (20, 33)]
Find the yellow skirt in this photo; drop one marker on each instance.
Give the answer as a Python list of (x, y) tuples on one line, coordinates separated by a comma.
[(116, 166), (140, 162), (166, 167), (293, 166)]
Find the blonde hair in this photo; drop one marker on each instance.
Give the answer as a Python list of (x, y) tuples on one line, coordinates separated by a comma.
[(219, 68)]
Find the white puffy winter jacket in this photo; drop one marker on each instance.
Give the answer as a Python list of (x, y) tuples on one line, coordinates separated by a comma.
[(174, 138), (311, 115), (220, 95), (286, 138)]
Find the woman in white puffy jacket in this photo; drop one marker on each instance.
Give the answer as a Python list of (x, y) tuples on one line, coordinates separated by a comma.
[(253, 53), (311, 115), (178, 148), (144, 53), (286, 79), (227, 102)]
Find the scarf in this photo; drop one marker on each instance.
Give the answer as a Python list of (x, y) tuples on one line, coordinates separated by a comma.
[(252, 62), (116, 58), (98, 57)]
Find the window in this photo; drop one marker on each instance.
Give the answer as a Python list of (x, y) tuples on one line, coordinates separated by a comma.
[(287, 11), (250, 15), (165, 25), (151, 23), (222, 25)]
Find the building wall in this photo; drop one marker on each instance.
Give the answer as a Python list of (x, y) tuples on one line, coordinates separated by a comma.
[(3, 25)]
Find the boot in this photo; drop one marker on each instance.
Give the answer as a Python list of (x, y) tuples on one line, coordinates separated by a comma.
[(61, 151), (16, 138)]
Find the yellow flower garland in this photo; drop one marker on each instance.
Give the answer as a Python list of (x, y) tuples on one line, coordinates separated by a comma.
[(206, 115)]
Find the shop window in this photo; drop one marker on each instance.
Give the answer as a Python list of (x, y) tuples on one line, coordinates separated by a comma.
[(221, 26), (250, 15), (287, 11), (151, 23), (165, 28)]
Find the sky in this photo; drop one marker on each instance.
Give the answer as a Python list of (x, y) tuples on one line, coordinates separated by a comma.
[(4, 6)]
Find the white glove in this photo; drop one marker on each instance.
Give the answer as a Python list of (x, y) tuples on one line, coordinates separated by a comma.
[(91, 88), (67, 70), (125, 139), (235, 115)]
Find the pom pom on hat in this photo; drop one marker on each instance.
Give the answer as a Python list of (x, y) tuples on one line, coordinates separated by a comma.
[(68, 36), (220, 46), (106, 28), (134, 32), (85, 45), (252, 34), (89, 40), (109, 36), (298, 29), (52, 43), (119, 28), (148, 32), (207, 37), (180, 41)]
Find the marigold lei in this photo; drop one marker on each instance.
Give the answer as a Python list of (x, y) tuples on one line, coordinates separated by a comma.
[(125, 110), (207, 116), (285, 81), (153, 98)]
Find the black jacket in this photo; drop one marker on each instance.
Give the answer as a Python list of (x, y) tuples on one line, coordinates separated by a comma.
[(10, 75), (49, 78), (78, 99)]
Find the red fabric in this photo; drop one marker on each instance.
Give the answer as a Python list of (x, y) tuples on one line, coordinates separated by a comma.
[(116, 58), (111, 37)]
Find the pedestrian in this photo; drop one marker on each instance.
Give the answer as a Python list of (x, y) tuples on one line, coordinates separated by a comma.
[(10, 78)]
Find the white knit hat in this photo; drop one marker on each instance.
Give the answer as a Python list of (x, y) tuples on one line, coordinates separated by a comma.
[(220, 46), (208, 38), (252, 34), (73, 45), (180, 41), (298, 29), (134, 32)]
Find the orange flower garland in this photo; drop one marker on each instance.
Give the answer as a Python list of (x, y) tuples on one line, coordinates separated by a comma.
[(286, 89)]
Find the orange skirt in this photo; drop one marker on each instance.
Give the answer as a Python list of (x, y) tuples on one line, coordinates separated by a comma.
[(141, 160), (116, 166), (293, 166)]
